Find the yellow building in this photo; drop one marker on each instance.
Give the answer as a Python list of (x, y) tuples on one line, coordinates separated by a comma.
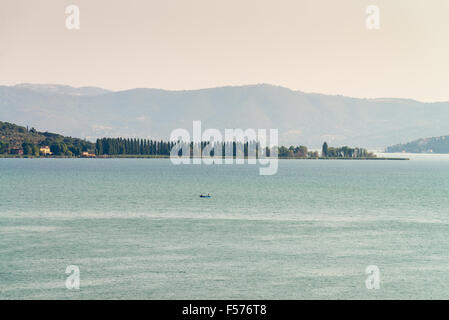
[(87, 155), (45, 150)]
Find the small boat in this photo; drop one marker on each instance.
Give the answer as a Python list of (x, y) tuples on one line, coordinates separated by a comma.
[(204, 196)]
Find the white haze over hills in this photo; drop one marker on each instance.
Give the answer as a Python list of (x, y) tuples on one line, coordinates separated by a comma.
[(61, 89), (302, 118)]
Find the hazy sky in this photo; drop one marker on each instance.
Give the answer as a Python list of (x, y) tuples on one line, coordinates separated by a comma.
[(313, 46)]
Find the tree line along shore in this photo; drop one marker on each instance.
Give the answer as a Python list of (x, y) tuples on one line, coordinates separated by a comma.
[(18, 141)]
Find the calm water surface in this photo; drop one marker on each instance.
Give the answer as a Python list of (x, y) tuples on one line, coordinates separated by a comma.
[(137, 229)]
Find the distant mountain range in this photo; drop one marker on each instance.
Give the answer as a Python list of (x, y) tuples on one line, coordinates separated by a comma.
[(302, 118), (426, 145)]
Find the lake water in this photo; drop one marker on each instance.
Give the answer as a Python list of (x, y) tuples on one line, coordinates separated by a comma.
[(137, 229)]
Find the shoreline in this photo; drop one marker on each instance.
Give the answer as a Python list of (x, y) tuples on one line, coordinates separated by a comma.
[(168, 157)]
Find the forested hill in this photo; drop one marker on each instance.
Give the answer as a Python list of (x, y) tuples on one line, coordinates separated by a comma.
[(427, 145), (30, 140)]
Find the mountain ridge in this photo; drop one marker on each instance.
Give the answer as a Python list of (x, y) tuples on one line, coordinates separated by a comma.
[(40, 87), (302, 118)]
